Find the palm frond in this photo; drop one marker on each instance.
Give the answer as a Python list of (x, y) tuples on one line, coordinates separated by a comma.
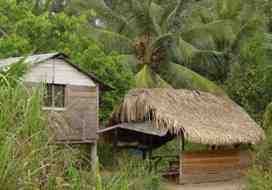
[(252, 25), (163, 41), (221, 31), (228, 9), (156, 13), (181, 77), (144, 23), (146, 78), (173, 21), (111, 18), (186, 53), (112, 41)]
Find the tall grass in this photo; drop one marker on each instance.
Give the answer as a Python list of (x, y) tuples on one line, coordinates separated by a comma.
[(127, 173), (29, 160)]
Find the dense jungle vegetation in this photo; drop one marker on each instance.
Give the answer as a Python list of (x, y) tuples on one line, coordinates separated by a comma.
[(219, 46)]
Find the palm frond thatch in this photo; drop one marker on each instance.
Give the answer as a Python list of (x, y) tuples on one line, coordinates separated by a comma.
[(202, 117)]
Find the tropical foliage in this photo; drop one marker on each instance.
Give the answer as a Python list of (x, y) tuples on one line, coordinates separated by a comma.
[(206, 45), (260, 177), (151, 37), (29, 27)]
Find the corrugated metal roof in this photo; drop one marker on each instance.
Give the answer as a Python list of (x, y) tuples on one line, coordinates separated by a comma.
[(144, 127), (34, 59), (28, 59)]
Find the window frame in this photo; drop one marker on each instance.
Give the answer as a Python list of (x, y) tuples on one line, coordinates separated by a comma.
[(52, 105)]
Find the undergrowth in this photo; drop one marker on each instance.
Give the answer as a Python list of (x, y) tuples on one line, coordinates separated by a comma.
[(29, 159)]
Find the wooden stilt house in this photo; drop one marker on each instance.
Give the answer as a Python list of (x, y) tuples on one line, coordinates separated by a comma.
[(191, 116), (71, 96)]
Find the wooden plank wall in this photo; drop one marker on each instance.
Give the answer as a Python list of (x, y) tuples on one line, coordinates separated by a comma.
[(78, 123), (59, 72), (212, 166)]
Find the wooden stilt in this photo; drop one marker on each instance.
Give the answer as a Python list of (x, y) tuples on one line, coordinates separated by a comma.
[(115, 142), (94, 158), (181, 149), (144, 154)]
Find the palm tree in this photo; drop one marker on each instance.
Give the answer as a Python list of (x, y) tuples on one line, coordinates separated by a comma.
[(223, 25), (154, 39)]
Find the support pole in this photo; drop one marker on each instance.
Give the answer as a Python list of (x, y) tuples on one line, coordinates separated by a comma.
[(144, 154), (181, 149), (150, 154), (115, 142), (94, 158)]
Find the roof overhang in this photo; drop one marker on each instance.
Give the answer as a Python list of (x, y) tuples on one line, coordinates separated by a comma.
[(35, 59), (144, 128)]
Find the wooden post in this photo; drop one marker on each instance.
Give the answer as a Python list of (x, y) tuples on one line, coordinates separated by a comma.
[(181, 148), (94, 158), (115, 144), (115, 141), (150, 154), (144, 154)]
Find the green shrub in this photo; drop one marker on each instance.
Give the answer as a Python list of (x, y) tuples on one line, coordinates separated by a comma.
[(260, 176), (259, 180)]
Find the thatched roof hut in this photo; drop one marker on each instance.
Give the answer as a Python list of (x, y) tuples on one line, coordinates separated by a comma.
[(201, 117)]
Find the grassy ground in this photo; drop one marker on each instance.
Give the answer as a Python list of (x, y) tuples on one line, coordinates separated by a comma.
[(229, 185)]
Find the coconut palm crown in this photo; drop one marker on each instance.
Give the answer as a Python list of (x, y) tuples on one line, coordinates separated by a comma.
[(154, 40)]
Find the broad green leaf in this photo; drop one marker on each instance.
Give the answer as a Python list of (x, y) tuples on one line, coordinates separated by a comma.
[(180, 77), (146, 78)]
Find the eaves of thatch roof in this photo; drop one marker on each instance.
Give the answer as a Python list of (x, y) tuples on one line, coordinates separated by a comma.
[(202, 117)]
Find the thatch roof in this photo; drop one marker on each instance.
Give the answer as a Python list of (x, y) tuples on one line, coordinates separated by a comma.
[(202, 117)]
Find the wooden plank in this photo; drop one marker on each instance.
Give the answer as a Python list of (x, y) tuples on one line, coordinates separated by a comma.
[(82, 88), (64, 72), (213, 166), (211, 160), (211, 154), (204, 178), (81, 94)]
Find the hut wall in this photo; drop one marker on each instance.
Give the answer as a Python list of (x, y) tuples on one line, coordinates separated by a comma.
[(78, 123), (59, 72), (212, 166)]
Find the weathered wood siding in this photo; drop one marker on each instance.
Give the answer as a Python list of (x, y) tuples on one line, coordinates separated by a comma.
[(78, 123), (59, 72), (213, 166)]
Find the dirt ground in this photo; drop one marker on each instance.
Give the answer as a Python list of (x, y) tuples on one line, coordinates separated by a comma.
[(228, 185)]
